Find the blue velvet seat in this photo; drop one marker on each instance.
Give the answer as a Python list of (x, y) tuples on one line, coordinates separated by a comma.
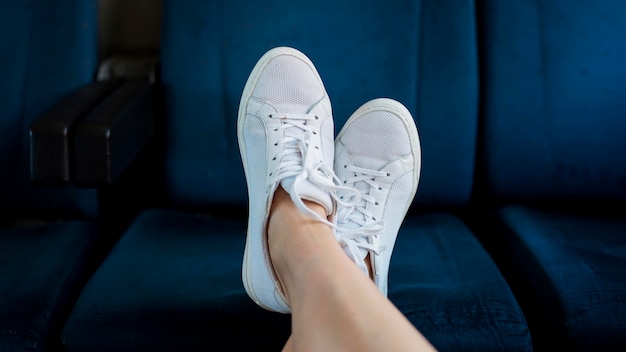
[(173, 281), (554, 128), (47, 49)]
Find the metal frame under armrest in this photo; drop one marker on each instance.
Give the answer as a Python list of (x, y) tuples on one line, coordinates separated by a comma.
[(111, 137), (51, 141)]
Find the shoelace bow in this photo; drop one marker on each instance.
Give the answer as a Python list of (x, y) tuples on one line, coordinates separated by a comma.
[(356, 224), (299, 160)]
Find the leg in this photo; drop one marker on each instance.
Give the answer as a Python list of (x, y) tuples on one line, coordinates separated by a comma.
[(292, 260), (289, 345), (334, 306)]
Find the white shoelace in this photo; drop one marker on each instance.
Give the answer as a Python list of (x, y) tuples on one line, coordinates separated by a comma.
[(300, 159), (355, 224)]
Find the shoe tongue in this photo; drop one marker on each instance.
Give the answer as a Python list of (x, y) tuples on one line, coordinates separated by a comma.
[(308, 191), (351, 225), (363, 188), (292, 131), (305, 189), (361, 258), (361, 254), (298, 134)]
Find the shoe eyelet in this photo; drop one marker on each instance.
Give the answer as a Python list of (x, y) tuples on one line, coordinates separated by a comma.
[(316, 147), (388, 174), (274, 158), (376, 203), (314, 132), (346, 181), (271, 173), (276, 144), (380, 188), (270, 116), (373, 218), (345, 166), (316, 117)]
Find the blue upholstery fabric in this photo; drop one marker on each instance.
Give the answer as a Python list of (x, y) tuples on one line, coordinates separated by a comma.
[(173, 282), (42, 268), (442, 279), (421, 53), (47, 49), (554, 103), (569, 272), (554, 98)]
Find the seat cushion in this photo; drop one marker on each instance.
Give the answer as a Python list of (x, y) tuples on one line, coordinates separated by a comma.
[(173, 282), (443, 280), (421, 53), (42, 269), (569, 272)]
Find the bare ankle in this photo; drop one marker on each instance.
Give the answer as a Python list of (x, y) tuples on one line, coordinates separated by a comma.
[(370, 268), (294, 238)]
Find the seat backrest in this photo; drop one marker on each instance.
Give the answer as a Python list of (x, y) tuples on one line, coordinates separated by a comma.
[(553, 79), (47, 49), (421, 53)]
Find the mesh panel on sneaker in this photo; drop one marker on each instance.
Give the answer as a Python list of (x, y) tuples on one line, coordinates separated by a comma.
[(276, 85), (376, 155), (378, 137)]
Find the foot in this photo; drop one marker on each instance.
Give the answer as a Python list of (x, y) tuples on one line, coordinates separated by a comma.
[(285, 132), (377, 152)]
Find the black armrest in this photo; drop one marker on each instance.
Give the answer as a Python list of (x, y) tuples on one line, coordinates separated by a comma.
[(114, 134), (50, 136)]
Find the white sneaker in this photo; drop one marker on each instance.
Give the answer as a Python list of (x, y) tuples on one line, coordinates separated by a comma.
[(285, 133), (377, 152)]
